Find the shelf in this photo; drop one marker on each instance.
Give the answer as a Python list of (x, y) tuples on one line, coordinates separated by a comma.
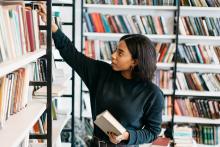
[(196, 67), (11, 65), (117, 36), (129, 7), (197, 93), (197, 120), (58, 125), (204, 145), (132, 9), (167, 91), (57, 91), (19, 124), (166, 118), (192, 39), (199, 11), (165, 66), (66, 144)]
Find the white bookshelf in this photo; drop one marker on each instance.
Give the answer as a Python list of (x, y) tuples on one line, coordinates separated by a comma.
[(58, 87), (57, 91), (11, 65), (193, 39), (196, 67), (132, 9), (58, 125), (197, 120), (117, 36), (166, 66), (186, 39), (197, 93), (66, 144), (166, 118), (19, 124), (204, 145), (199, 11)]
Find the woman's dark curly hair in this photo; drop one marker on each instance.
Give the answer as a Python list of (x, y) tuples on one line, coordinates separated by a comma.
[(142, 49)]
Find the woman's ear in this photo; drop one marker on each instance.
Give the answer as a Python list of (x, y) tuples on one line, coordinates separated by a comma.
[(135, 62)]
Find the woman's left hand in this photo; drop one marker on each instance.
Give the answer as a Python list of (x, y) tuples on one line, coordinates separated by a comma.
[(117, 139)]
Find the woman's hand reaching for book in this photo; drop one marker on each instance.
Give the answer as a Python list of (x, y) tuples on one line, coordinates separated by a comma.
[(117, 139), (42, 13)]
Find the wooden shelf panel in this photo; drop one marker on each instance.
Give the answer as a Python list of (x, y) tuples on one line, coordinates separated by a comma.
[(19, 124), (12, 65)]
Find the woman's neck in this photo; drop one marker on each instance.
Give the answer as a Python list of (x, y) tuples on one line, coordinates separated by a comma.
[(126, 74)]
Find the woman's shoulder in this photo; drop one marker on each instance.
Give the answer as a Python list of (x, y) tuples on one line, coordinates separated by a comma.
[(154, 88), (103, 66)]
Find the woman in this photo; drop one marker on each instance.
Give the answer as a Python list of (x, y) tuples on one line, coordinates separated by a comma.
[(124, 88)]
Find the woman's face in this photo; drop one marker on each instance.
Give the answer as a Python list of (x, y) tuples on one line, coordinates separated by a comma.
[(121, 58)]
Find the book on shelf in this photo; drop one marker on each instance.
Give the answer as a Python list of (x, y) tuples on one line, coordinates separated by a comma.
[(107, 123), (161, 142)]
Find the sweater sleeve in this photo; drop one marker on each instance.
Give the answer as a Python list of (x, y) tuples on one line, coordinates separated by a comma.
[(152, 121), (87, 68)]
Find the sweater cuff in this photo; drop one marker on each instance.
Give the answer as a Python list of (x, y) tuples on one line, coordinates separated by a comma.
[(57, 34), (132, 137)]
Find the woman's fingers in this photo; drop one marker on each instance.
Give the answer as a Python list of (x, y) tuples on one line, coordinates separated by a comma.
[(114, 138)]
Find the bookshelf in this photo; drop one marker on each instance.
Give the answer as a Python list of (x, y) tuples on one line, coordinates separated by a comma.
[(28, 116), (167, 11), (65, 6), (26, 110), (173, 37)]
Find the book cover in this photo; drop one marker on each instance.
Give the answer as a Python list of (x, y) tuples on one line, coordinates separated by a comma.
[(107, 123)]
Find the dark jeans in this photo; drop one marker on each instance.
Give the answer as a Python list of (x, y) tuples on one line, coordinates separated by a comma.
[(99, 143)]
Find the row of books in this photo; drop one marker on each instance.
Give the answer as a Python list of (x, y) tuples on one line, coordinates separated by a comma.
[(195, 3), (203, 26), (183, 136), (204, 54), (200, 3), (13, 93), (197, 108), (39, 70), (207, 134), (133, 2), (164, 79), (19, 32), (167, 108), (186, 136), (97, 22), (198, 81)]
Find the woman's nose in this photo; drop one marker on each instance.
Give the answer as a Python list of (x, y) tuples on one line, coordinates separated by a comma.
[(113, 56)]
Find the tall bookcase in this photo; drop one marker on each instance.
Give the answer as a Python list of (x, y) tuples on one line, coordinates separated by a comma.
[(69, 4), (173, 14), (18, 125)]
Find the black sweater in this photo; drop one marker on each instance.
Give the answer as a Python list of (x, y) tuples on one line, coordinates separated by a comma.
[(136, 104)]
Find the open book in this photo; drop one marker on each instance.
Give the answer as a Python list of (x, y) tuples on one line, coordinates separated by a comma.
[(107, 123)]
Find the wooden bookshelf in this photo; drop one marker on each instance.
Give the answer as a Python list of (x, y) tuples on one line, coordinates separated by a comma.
[(12, 134)]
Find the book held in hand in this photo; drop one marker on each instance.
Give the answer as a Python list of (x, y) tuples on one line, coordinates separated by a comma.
[(107, 123)]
